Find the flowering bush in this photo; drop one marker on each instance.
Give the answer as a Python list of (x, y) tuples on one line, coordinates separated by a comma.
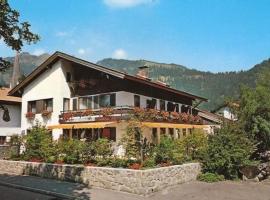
[(46, 113), (30, 115)]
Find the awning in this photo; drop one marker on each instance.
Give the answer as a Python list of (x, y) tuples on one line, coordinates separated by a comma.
[(171, 125), (81, 125)]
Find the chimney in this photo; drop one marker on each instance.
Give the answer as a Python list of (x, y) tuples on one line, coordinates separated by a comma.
[(143, 72), (16, 71)]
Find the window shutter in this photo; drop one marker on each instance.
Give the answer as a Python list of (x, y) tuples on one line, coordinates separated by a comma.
[(39, 106)]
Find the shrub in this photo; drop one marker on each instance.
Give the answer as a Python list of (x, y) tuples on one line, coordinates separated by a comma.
[(149, 162), (118, 162), (101, 162), (70, 151), (88, 152), (38, 143), (210, 177), (194, 145), (102, 147), (227, 151), (168, 151), (131, 140)]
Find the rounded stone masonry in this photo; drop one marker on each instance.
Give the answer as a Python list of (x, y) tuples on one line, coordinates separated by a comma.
[(141, 182)]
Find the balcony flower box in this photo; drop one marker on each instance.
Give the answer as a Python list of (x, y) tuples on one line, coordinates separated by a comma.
[(30, 115), (104, 119), (86, 113), (46, 113), (106, 112), (67, 116)]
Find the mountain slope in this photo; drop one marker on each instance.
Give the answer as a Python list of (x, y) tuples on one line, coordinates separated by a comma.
[(28, 63), (214, 86)]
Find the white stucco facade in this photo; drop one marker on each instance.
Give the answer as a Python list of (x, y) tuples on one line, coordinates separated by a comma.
[(50, 84)]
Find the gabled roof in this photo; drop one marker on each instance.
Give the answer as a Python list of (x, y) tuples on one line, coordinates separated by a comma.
[(4, 98), (59, 55)]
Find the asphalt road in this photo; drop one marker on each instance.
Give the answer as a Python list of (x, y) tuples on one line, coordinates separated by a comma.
[(7, 193)]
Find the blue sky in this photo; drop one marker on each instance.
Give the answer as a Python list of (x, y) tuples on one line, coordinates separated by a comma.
[(208, 35)]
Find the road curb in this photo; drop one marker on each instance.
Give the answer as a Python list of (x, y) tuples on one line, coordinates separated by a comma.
[(36, 190)]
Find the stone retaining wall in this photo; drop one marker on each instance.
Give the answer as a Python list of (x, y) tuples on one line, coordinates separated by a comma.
[(142, 182)]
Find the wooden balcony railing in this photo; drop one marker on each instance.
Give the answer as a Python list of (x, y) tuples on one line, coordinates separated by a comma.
[(127, 112)]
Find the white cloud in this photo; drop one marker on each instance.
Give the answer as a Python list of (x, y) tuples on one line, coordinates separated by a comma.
[(38, 52), (81, 51), (61, 33), (119, 54), (125, 3)]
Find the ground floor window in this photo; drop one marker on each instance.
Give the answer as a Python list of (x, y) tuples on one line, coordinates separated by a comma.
[(171, 133), (154, 136), (184, 132), (162, 131), (90, 134), (2, 140)]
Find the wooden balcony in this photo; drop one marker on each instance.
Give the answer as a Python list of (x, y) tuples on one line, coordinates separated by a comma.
[(126, 113)]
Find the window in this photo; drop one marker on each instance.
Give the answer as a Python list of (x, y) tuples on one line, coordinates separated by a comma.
[(184, 132), (104, 100), (171, 132), (96, 104), (48, 105), (31, 106), (137, 101), (154, 136), (162, 131), (66, 103), (74, 104), (151, 103), (65, 135), (40, 105), (162, 105), (178, 133), (109, 133), (85, 103), (113, 100), (176, 107), (2, 140), (184, 109), (170, 106), (68, 77)]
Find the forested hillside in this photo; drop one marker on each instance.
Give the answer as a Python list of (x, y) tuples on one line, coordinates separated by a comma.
[(214, 86)]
